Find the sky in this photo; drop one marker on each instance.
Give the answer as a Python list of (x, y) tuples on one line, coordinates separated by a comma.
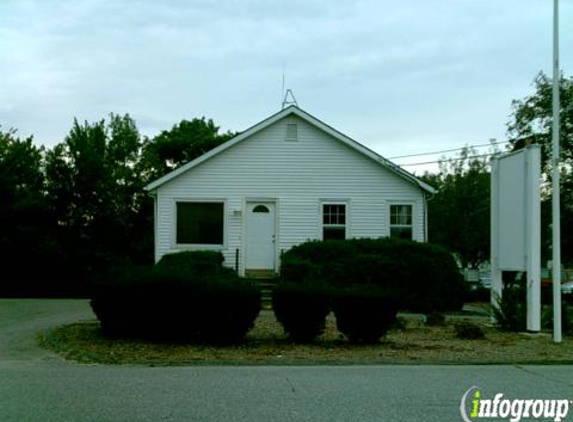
[(399, 76)]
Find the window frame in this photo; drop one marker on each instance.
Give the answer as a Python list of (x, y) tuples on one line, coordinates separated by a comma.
[(201, 246), (346, 217), (411, 226), (288, 126)]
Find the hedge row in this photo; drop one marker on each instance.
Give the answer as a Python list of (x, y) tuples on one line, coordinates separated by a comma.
[(424, 277), (186, 297), (190, 296), (364, 282)]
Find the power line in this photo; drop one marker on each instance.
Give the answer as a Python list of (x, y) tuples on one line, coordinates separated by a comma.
[(449, 159), (449, 150)]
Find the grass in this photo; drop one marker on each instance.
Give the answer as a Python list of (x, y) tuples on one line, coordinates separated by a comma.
[(267, 344)]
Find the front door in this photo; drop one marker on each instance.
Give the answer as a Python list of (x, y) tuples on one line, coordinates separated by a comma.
[(261, 236)]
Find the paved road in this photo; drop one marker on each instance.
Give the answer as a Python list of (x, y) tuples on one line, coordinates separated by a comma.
[(22, 319), (35, 385)]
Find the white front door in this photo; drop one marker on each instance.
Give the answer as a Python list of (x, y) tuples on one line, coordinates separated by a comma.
[(261, 236)]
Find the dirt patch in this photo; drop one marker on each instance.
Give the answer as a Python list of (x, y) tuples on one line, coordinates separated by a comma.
[(267, 344)]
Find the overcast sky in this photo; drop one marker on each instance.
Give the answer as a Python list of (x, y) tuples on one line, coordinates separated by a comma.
[(401, 77)]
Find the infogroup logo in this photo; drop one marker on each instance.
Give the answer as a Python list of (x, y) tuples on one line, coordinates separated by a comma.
[(474, 407)]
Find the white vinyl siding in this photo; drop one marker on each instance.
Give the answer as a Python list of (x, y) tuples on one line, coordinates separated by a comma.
[(297, 176)]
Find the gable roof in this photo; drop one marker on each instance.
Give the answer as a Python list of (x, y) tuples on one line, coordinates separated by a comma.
[(293, 110)]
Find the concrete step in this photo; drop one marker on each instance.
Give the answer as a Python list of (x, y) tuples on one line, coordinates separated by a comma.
[(261, 274), (267, 285)]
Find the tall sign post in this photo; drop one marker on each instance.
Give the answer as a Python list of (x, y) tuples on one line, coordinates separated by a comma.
[(515, 225)]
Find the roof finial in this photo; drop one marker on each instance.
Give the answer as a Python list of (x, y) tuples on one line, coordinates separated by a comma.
[(289, 99)]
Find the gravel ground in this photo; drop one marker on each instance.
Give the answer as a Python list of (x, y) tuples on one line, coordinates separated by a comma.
[(267, 344)]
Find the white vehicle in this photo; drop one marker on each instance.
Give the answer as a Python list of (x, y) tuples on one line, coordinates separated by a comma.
[(567, 288)]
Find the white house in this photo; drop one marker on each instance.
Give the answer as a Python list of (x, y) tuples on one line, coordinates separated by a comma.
[(286, 180)]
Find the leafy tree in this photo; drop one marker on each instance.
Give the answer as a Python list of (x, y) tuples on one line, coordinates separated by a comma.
[(185, 141), (532, 121), (459, 213), (96, 190), (29, 253), (80, 208), (96, 180)]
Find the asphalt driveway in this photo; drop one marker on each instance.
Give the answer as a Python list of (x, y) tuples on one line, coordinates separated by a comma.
[(22, 319)]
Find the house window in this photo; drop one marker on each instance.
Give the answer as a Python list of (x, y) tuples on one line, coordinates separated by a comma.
[(200, 223), (261, 209), (401, 221), (333, 221)]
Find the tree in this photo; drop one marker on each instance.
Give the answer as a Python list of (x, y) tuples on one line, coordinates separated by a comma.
[(459, 213), (532, 121), (95, 185), (184, 142), (96, 190), (29, 254), (80, 209)]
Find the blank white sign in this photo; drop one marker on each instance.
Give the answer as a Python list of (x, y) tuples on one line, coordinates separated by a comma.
[(512, 212)]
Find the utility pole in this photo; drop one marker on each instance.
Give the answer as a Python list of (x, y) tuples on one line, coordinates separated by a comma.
[(556, 182)]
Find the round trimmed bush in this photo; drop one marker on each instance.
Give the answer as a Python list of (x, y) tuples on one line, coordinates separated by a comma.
[(364, 313), (177, 300), (301, 309), (120, 299), (229, 309)]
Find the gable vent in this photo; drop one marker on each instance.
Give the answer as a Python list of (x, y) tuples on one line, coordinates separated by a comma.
[(291, 132)]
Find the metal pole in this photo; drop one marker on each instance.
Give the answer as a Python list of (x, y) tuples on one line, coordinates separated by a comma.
[(556, 215)]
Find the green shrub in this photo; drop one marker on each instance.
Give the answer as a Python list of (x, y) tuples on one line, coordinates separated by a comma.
[(193, 262), (467, 330), (301, 309), (364, 313), (424, 276), (566, 318), (326, 260), (510, 310), (175, 302), (228, 310), (120, 299)]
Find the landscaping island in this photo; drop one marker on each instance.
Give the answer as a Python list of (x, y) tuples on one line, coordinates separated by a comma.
[(337, 302), (266, 344)]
